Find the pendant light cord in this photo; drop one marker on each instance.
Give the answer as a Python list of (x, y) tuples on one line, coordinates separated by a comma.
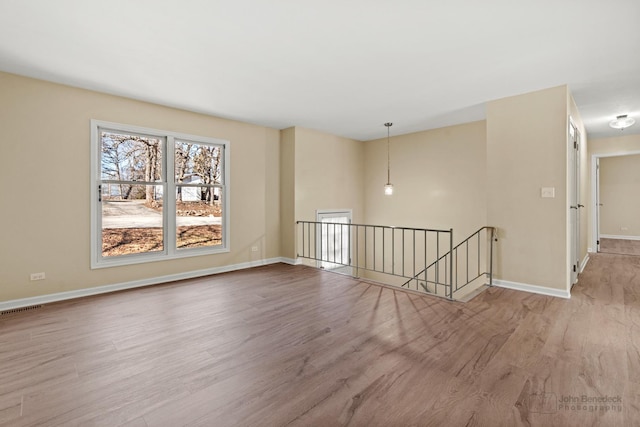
[(388, 125)]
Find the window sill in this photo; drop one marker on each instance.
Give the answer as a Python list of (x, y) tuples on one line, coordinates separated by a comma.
[(160, 256)]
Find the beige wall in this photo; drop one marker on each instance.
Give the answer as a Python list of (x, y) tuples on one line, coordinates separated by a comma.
[(287, 192), (527, 150), (44, 170), (461, 177), (328, 174), (623, 144), (318, 171), (439, 179), (620, 195)]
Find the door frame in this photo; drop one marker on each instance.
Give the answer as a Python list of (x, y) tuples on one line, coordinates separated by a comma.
[(337, 212), (595, 191)]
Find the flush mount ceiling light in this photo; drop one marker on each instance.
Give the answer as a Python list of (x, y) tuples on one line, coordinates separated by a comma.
[(388, 187), (622, 122)]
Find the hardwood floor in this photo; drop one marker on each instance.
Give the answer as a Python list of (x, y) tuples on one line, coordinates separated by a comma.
[(283, 345), (620, 246)]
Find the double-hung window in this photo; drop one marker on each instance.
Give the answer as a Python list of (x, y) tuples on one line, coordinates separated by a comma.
[(156, 195)]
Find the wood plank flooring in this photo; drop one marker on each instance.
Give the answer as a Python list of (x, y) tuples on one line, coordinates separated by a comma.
[(294, 346)]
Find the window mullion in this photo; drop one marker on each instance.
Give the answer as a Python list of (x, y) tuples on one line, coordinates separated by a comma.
[(170, 197)]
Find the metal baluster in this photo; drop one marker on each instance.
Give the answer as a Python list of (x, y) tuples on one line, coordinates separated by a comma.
[(437, 278), (365, 247), (493, 230), (308, 238), (335, 244), (425, 260), (467, 245), (403, 230), (456, 268), (383, 250), (414, 257), (341, 245), (393, 251), (479, 253), (357, 254), (374, 248), (451, 264)]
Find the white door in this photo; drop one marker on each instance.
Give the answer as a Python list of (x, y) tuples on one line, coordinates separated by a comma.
[(334, 243), (574, 201)]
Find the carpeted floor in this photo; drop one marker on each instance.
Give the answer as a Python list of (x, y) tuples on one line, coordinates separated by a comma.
[(620, 246)]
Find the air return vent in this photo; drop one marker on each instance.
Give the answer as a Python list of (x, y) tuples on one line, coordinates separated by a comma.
[(18, 310)]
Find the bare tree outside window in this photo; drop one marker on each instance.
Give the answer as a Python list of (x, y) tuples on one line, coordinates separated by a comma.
[(198, 178), (132, 217), (132, 193)]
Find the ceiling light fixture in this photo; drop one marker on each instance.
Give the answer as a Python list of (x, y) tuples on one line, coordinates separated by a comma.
[(622, 122), (388, 187)]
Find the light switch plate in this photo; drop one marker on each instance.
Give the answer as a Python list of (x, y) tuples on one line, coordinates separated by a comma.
[(549, 192)]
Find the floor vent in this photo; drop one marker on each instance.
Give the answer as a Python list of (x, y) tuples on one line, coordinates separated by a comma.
[(18, 310)]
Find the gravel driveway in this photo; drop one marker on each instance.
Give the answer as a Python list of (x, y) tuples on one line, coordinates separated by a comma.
[(134, 214)]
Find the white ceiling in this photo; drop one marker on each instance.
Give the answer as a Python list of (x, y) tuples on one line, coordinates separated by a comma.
[(340, 66)]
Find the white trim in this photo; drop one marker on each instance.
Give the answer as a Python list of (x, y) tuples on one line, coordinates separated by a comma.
[(331, 212), (79, 293), (572, 155), (614, 236), (584, 262), (559, 293), (291, 261), (170, 251)]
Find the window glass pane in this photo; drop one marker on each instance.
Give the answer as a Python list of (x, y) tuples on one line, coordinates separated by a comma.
[(131, 219), (198, 163), (130, 157), (198, 217)]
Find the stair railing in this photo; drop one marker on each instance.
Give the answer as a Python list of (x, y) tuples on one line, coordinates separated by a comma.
[(463, 272), (398, 256)]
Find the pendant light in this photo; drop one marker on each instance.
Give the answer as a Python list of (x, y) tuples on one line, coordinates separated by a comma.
[(388, 187), (622, 122)]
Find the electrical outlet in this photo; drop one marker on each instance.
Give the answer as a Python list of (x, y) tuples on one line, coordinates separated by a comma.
[(254, 249), (37, 276)]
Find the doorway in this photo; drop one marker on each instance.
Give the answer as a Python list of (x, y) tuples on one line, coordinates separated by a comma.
[(617, 210), (334, 243)]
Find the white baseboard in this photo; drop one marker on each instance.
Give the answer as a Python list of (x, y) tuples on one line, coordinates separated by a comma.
[(615, 236), (79, 293), (291, 261), (584, 262), (532, 288)]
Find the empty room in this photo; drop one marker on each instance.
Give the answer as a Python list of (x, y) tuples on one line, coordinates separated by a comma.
[(319, 213)]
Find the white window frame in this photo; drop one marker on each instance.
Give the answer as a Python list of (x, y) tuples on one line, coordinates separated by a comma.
[(170, 251)]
